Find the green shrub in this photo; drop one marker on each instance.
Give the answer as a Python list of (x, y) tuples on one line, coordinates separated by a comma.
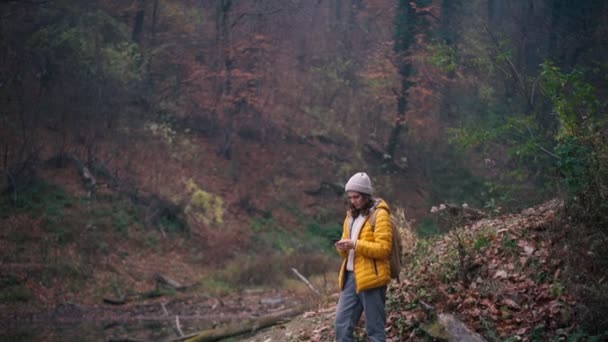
[(13, 290), (70, 272), (86, 44), (259, 270), (443, 57), (204, 206), (508, 244), (326, 235), (63, 231), (427, 227), (40, 197), (481, 243), (581, 152), (47, 202), (114, 213), (574, 163), (171, 223)]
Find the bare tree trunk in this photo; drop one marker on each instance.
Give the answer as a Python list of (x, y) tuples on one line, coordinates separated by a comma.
[(407, 30), (150, 81), (224, 43), (139, 21)]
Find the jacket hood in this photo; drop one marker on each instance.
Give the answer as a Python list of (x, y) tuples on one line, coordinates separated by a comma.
[(381, 204)]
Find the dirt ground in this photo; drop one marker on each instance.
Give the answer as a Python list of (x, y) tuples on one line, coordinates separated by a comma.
[(313, 325), (149, 320)]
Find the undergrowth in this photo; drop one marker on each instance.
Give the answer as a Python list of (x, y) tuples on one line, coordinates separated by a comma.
[(582, 248)]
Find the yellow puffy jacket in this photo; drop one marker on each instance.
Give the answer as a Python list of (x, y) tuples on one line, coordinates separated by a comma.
[(371, 264)]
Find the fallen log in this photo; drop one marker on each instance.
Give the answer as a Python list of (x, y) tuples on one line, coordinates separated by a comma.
[(115, 301), (243, 327)]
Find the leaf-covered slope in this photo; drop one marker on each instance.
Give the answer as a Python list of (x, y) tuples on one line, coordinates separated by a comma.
[(497, 275)]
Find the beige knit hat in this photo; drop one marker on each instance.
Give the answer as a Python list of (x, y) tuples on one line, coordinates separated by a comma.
[(359, 182)]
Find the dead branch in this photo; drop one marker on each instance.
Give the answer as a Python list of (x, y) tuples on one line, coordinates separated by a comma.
[(310, 286), (178, 327)]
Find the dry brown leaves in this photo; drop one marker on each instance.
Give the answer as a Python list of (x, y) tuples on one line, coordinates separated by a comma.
[(502, 284)]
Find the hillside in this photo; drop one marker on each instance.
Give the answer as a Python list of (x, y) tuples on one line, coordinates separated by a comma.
[(515, 277), (208, 114)]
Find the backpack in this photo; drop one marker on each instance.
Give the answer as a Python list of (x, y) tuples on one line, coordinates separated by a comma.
[(396, 247)]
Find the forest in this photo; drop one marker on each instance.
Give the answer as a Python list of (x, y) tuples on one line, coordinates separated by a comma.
[(175, 169)]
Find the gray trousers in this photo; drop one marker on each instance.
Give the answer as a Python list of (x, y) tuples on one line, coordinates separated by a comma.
[(352, 304)]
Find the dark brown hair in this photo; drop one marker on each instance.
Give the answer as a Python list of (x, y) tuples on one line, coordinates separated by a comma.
[(367, 205)]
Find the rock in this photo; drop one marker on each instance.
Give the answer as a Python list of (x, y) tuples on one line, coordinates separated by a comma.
[(457, 331), (449, 328), (274, 301), (436, 331)]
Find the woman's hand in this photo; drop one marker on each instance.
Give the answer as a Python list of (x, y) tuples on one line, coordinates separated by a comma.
[(345, 244)]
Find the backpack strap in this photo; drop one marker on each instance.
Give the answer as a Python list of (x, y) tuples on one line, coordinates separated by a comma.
[(373, 212), (372, 219)]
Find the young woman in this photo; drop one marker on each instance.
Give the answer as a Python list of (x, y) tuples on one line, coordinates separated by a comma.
[(365, 270)]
